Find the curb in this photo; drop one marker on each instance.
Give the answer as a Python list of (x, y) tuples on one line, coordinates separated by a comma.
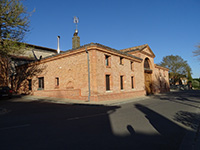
[(73, 102)]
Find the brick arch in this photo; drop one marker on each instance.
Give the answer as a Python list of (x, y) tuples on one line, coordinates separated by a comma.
[(147, 63)]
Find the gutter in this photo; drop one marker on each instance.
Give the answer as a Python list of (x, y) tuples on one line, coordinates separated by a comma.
[(88, 62)]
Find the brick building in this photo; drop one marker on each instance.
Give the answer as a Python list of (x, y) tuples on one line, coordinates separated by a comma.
[(98, 72), (29, 53)]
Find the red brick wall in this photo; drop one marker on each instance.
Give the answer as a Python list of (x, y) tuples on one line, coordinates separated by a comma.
[(160, 76), (72, 70)]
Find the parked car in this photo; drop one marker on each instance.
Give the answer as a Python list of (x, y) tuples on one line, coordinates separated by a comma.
[(5, 91)]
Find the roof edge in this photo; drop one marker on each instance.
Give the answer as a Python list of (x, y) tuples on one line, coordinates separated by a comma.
[(160, 67)]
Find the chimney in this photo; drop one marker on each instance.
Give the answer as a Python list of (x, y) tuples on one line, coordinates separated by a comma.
[(75, 40), (58, 49)]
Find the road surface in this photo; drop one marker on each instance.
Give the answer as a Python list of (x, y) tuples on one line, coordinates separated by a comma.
[(158, 122)]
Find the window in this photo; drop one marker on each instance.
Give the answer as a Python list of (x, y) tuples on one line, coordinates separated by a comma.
[(107, 82), (57, 81), (29, 84), (146, 64), (131, 65), (160, 84), (41, 83), (164, 74), (132, 82), (121, 82), (121, 61), (107, 60)]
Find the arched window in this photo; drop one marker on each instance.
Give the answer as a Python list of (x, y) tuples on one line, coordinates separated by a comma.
[(146, 64)]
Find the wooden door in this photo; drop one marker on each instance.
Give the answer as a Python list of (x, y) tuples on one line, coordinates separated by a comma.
[(148, 83)]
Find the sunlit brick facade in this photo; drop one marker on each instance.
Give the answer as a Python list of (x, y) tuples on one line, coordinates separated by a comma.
[(113, 74)]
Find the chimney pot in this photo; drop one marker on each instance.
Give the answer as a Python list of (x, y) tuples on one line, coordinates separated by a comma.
[(58, 49)]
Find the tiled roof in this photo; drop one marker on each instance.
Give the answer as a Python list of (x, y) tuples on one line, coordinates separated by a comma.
[(22, 57), (136, 48), (41, 47), (93, 44), (117, 51)]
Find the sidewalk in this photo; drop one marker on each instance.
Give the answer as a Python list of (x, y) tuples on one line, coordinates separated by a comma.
[(72, 101)]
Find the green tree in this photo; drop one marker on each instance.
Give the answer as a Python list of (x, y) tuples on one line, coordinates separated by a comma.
[(14, 23), (178, 68), (189, 76)]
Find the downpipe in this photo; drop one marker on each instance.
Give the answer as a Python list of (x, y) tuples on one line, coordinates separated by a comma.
[(88, 62)]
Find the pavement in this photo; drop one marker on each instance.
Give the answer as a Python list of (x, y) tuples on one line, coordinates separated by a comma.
[(72, 101), (189, 142)]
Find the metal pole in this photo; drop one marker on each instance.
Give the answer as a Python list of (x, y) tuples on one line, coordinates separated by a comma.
[(88, 61)]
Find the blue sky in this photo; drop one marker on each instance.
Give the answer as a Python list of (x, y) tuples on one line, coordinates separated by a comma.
[(169, 27)]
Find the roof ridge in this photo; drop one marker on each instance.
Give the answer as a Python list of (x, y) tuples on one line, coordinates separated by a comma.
[(97, 44), (134, 48)]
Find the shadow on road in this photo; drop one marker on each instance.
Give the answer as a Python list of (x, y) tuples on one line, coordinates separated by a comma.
[(182, 97), (40, 125), (171, 132), (188, 98), (189, 119)]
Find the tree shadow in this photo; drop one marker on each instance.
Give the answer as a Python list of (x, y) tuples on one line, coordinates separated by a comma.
[(188, 119), (187, 98), (160, 85), (4, 74), (16, 70), (167, 129), (22, 74), (38, 124)]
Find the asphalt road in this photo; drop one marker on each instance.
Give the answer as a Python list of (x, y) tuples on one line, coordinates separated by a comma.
[(160, 122)]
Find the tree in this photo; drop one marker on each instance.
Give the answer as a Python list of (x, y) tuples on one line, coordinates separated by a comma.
[(14, 23), (197, 52), (178, 68)]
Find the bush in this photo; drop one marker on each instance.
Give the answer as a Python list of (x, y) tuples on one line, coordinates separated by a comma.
[(195, 84)]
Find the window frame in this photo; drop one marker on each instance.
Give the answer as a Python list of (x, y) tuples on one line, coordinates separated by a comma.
[(107, 82), (30, 84), (107, 60), (57, 81), (132, 82), (40, 83), (132, 65), (121, 60), (121, 82)]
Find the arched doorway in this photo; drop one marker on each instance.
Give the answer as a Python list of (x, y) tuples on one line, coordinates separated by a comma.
[(147, 76)]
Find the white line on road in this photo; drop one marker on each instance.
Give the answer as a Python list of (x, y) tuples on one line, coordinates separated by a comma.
[(14, 127), (89, 116)]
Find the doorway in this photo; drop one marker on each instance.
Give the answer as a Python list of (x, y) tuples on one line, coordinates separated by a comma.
[(147, 76), (148, 83)]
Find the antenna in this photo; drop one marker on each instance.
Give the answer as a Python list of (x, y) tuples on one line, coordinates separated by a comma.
[(76, 21)]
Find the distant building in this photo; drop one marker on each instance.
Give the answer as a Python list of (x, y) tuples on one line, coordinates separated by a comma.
[(31, 53), (112, 74)]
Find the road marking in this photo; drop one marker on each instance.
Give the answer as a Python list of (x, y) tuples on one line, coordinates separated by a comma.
[(4, 111), (89, 116), (14, 127)]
